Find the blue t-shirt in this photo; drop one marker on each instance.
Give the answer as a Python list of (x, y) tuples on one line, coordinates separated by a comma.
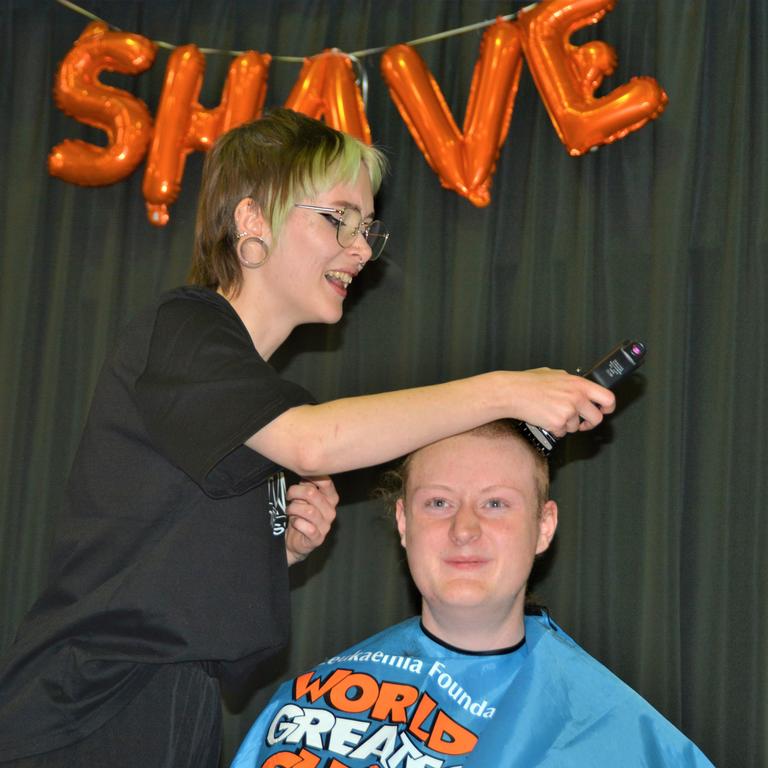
[(403, 699)]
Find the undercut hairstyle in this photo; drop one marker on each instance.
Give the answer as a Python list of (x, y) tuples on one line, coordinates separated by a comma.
[(277, 161), (395, 481)]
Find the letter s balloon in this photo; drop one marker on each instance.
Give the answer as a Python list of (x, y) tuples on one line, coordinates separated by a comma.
[(124, 117)]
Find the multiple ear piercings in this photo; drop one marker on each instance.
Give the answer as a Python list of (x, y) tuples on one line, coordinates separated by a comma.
[(245, 243)]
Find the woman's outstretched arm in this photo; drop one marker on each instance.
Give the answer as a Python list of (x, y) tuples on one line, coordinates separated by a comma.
[(356, 432)]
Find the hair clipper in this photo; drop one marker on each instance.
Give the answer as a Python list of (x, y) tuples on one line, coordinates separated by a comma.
[(620, 362)]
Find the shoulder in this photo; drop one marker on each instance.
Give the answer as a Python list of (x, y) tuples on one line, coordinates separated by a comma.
[(547, 639), (539, 624), (568, 666), (604, 706), (192, 303), (184, 307), (192, 321)]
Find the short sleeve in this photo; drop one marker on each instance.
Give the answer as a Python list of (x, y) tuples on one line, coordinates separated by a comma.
[(205, 390)]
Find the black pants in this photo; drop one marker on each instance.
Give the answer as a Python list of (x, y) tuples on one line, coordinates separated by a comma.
[(174, 722)]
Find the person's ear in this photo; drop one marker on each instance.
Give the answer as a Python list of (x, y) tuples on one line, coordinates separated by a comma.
[(400, 517), (249, 218), (547, 526)]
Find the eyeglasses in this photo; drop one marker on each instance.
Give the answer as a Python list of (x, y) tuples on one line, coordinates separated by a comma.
[(349, 223)]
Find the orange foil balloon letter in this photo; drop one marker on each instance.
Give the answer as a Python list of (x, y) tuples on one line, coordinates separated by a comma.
[(567, 76), (125, 118), (182, 125), (326, 88), (464, 161)]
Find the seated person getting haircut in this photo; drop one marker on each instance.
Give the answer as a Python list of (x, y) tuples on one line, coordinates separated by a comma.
[(475, 682)]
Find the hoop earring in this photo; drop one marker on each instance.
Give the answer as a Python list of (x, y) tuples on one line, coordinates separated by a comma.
[(243, 240)]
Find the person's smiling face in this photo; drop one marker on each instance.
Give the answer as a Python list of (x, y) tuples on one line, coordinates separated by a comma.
[(308, 271), (471, 524)]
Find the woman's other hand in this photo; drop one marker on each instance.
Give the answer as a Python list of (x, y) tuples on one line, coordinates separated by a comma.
[(311, 511)]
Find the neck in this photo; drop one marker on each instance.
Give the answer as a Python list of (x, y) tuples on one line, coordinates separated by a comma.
[(474, 630), (264, 323)]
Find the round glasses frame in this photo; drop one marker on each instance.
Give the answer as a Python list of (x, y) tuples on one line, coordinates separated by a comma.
[(375, 233)]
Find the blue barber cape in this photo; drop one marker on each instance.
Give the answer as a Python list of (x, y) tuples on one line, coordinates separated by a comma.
[(401, 699)]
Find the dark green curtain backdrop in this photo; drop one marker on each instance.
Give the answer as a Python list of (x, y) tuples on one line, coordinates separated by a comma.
[(659, 566)]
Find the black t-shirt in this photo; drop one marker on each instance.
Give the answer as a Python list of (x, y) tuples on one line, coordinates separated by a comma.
[(164, 550)]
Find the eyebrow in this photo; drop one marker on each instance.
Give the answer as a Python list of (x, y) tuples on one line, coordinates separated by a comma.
[(347, 204), (487, 489), (438, 487), (432, 486)]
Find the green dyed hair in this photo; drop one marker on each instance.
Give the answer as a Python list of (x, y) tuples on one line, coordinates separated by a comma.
[(278, 160)]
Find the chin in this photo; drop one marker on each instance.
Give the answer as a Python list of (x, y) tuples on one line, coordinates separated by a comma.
[(336, 317), (328, 316), (465, 596)]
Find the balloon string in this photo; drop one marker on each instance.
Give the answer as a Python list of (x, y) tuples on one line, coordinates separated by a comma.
[(437, 36), (361, 78), (83, 12), (299, 59)]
